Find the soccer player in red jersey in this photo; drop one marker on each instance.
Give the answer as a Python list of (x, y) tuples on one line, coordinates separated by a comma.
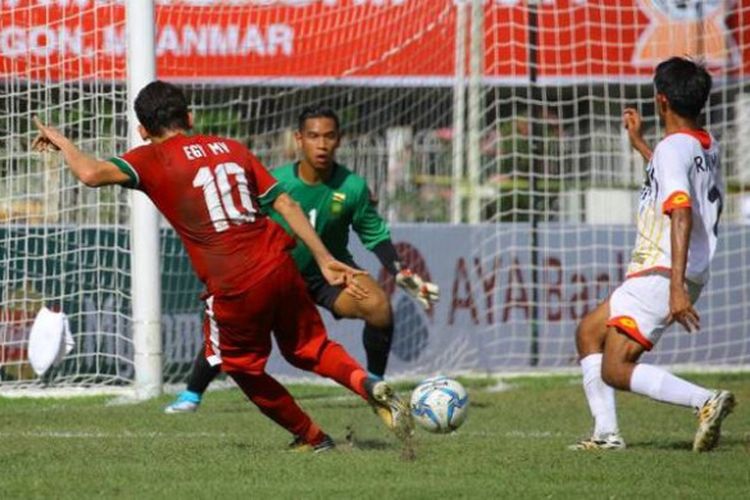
[(211, 190)]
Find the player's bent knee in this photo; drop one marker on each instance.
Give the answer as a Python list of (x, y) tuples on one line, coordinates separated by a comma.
[(304, 359), (612, 378), (581, 331), (379, 315), (615, 373), (586, 338), (375, 310), (592, 331)]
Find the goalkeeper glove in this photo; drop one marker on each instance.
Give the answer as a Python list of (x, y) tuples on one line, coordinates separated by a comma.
[(425, 292)]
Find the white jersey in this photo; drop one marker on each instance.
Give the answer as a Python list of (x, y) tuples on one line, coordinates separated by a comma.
[(683, 172)]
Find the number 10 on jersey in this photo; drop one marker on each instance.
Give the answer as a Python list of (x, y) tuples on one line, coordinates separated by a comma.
[(217, 193)]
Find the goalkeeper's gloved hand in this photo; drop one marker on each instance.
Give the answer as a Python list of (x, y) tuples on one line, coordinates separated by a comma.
[(425, 292)]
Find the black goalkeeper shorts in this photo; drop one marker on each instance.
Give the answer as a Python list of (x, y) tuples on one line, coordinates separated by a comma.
[(323, 293)]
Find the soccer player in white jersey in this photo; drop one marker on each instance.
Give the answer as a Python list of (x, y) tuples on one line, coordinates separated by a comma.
[(678, 219)]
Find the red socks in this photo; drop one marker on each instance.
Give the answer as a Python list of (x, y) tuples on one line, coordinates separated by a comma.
[(275, 402), (335, 363)]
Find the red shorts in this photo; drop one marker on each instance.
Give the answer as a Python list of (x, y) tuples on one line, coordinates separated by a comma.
[(238, 328)]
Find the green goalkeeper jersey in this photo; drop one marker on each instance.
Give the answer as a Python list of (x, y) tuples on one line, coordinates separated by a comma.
[(332, 207)]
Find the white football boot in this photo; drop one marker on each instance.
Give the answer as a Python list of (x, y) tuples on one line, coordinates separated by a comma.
[(608, 442)]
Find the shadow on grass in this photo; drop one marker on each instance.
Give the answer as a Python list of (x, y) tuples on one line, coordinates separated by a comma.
[(727, 443), (660, 444), (482, 404), (326, 395), (230, 409), (367, 444)]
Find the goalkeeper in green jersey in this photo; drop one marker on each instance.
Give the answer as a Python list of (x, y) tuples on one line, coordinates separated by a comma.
[(335, 199)]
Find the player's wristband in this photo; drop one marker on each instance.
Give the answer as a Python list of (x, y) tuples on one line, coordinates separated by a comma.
[(386, 254)]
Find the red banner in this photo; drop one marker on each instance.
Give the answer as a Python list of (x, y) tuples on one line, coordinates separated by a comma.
[(601, 39), (400, 42)]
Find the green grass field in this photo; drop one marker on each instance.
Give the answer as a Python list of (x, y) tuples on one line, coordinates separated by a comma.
[(513, 445)]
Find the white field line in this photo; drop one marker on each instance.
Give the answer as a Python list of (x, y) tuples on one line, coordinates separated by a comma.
[(221, 435), (514, 434), (126, 394)]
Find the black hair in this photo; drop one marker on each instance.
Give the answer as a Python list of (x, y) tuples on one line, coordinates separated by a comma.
[(686, 85), (161, 106), (317, 111)]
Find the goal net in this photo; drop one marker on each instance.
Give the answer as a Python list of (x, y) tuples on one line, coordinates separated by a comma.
[(490, 135), (561, 183), (62, 245)]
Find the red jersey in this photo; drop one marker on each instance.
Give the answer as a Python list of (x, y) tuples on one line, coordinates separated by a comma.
[(209, 189)]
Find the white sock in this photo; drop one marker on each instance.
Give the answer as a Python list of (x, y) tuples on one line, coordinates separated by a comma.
[(600, 396), (661, 385)]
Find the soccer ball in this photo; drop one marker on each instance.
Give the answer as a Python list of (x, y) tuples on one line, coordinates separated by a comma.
[(439, 404)]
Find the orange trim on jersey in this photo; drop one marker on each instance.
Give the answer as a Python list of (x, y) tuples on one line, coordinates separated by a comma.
[(650, 270), (678, 199), (629, 327), (701, 135)]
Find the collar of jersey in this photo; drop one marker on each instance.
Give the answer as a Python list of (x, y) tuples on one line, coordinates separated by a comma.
[(325, 183), (700, 135), (169, 139)]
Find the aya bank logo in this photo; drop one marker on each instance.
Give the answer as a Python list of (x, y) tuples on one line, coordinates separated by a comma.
[(411, 323), (694, 28)]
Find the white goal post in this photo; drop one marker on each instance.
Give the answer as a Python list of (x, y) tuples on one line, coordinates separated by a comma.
[(144, 226)]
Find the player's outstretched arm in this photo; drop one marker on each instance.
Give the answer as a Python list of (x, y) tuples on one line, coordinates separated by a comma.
[(680, 306), (632, 121), (86, 168), (335, 272), (374, 234), (424, 292)]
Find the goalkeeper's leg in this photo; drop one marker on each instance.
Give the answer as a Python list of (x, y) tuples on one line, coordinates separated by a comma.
[(201, 375), (376, 312), (377, 342)]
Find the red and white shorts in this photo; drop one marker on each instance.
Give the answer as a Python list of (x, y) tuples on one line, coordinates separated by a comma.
[(639, 307), (238, 328)]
